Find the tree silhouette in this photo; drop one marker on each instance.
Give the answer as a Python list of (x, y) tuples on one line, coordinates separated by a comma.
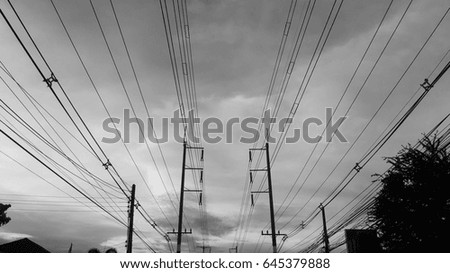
[(412, 210), (3, 218)]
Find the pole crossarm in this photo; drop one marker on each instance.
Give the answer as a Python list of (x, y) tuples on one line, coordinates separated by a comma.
[(257, 149), (194, 148), (177, 232), (233, 249), (187, 190), (194, 168), (267, 233), (204, 248)]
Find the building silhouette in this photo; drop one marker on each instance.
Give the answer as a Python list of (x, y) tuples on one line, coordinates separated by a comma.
[(24, 245)]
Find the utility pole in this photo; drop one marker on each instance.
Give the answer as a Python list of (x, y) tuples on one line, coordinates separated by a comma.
[(180, 212), (130, 220), (325, 232), (203, 247), (273, 234), (178, 233), (272, 213), (183, 189)]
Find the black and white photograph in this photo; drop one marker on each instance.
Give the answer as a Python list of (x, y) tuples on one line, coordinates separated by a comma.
[(225, 126)]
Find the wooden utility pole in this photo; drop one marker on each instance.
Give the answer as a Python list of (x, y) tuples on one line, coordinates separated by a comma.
[(183, 189), (325, 232), (273, 234), (180, 213), (272, 213), (130, 220)]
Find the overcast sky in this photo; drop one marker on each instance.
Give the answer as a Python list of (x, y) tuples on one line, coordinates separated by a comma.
[(234, 48)]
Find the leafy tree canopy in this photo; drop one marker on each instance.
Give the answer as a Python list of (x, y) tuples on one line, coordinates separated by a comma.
[(3, 218), (412, 210)]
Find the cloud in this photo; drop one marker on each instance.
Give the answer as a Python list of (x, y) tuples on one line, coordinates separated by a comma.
[(234, 47), (217, 226), (117, 242), (11, 236)]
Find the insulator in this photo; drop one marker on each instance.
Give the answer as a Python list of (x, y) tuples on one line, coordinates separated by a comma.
[(287, 26), (186, 31)]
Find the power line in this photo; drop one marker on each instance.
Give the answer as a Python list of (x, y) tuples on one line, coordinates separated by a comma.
[(141, 94), (49, 82), (48, 182), (363, 205), (348, 109), (311, 67), (106, 109), (80, 167), (414, 106), (286, 30), (62, 178), (57, 165), (294, 54), (336, 106)]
